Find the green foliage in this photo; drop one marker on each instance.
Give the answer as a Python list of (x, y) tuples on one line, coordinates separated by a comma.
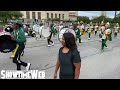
[(83, 18), (6, 15), (53, 19), (101, 18), (116, 19)]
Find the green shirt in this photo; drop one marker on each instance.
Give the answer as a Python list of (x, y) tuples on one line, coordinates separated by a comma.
[(20, 35), (67, 60), (53, 30), (78, 33)]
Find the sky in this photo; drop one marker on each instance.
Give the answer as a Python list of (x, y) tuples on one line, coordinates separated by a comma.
[(89, 14)]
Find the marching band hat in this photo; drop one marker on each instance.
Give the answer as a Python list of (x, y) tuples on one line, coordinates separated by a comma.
[(18, 22)]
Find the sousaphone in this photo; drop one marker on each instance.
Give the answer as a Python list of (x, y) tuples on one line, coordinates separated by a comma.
[(65, 30), (45, 31)]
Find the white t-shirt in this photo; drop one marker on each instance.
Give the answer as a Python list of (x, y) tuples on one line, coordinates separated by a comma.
[(33, 27), (24, 26), (103, 28), (103, 36), (116, 30), (100, 32), (60, 27), (82, 26), (108, 31), (89, 30), (96, 28), (91, 27)]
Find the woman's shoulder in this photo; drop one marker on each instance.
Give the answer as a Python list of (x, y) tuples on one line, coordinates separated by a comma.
[(75, 51)]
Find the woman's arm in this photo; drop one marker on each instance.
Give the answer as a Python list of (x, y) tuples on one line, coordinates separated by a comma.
[(56, 69), (77, 70)]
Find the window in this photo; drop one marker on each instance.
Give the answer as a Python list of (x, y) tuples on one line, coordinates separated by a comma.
[(55, 15), (47, 15), (33, 15), (51, 15), (63, 16), (39, 15), (27, 14), (59, 16)]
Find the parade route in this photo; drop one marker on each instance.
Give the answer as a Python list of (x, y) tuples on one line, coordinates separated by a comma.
[(95, 64)]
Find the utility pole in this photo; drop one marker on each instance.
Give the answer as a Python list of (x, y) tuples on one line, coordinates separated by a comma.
[(115, 14)]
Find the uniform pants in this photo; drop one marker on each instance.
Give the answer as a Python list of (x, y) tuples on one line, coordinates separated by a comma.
[(104, 43), (17, 60), (49, 39)]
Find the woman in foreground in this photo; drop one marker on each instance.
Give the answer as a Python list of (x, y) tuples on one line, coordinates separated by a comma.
[(69, 60)]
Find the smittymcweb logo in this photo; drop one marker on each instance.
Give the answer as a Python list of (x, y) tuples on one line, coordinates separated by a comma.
[(14, 74)]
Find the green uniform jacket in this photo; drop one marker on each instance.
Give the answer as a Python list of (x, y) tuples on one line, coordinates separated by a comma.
[(53, 30), (78, 33), (20, 35)]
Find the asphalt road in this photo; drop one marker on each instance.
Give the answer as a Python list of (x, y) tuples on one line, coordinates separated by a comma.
[(95, 64)]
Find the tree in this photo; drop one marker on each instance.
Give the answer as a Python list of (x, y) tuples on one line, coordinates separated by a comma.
[(118, 15), (116, 19), (101, 18), (16, 14), (6, 15), (85, 19)]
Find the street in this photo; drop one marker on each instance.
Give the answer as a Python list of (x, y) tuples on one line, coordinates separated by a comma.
[(95, 64)]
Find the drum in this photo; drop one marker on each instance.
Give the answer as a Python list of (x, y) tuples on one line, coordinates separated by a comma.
[(36, 31), (6, 44), (40, 30), (45, 32), (36, 28), (9, 29), (65, 30)]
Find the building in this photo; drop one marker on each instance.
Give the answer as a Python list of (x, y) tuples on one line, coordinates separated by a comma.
[(45, 15), (73, 15), (103, 13)]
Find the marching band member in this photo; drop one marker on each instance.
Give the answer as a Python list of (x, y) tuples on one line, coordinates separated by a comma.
[(60, 27), (102, 28), (104, 39), (92, 28), (54, 30), (19, 37), (49, 38), (116, 29), (78, 33), (109, 33), (89, 33), (14, 52), (82, 28), (96, 28), (115, 32)]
